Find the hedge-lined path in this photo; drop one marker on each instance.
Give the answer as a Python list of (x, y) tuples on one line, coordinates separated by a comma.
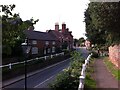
[(103, 77)]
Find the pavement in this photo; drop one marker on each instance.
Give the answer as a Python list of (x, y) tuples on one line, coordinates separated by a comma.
[(103, 77)]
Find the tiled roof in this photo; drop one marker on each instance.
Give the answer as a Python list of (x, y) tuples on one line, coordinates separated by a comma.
[(39, 35), (57, 33)]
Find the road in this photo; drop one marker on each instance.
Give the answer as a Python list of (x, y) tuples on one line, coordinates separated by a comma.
[(45, 76), (83, 51)]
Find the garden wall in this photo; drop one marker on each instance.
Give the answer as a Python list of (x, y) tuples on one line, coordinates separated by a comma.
[(114, 55)]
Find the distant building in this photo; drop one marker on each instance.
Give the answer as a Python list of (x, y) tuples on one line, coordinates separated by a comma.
[(49, 42), (87, 44)]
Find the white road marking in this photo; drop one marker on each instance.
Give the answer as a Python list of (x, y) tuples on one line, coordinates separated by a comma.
[(43, 82), (50, 66), (51, 76)]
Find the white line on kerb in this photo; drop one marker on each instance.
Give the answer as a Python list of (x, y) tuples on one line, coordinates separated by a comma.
[(43, 82)]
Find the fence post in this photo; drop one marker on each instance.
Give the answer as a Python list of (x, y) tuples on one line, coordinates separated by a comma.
[(51, 56), (56, 54), (84, 66), (83, 70), (81, 80), (10, 66), (86, 62), (45, 57), (62, 53)]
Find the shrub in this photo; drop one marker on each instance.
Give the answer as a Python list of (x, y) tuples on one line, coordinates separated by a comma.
[(69, 78), (65, 81), (94, 54), (66, 51)]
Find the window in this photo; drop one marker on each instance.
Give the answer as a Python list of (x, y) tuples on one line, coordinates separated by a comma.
[(53, 42), (47, 43), (48, 50), (34, 50), (44, 51), (53, 49), (34, 42)]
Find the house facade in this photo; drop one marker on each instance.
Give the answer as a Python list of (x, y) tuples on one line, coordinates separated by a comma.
[(50, 42), (64, 35)]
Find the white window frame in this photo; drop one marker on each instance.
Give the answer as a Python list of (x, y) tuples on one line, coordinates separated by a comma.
[(34, 41), (44, 51), (46, 42), (53, 49), (48, 50)]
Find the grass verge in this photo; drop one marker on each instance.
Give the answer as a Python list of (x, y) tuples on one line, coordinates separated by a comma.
[(112, 68), (89, 81)]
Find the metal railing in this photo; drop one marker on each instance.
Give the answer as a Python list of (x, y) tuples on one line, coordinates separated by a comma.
[(83, 74), (44, 57)]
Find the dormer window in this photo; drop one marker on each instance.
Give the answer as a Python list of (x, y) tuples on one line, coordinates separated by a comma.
[(47, 43), (34, 42)]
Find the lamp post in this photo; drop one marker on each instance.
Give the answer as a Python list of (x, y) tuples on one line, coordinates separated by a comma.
[(26, 50)]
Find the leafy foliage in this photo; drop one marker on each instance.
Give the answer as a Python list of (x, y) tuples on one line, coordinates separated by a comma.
[(81, 41), (13, 28), (69, 78), (102, 23), (75, 42)]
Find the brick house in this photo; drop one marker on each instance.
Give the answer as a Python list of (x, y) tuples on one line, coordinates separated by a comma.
[(52, 41), (64, 35), (42, 43)]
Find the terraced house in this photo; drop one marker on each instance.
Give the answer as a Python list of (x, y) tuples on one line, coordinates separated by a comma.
[(49, 42)]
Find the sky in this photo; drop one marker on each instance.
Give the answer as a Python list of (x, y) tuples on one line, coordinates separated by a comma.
[(49, 12)]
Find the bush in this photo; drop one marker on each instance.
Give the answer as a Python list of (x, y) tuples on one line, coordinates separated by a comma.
[(65, 81), (94, 54), (69, 78), (66, 51)]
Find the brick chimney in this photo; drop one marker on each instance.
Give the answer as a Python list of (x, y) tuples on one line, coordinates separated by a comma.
[(56, 27), (63, 27)]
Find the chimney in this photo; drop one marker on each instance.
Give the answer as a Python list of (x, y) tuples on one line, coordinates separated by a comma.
[(67, 30), (63, 27), (56, 27)]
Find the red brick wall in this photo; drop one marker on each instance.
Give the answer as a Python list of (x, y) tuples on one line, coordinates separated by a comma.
[(114, 55)]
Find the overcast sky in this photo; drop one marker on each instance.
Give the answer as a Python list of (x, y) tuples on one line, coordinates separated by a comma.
[(51, 11)]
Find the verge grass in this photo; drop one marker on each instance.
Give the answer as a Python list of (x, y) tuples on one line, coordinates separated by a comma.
[(112, 68)]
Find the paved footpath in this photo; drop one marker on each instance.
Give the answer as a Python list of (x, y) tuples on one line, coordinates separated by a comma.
[(103, 77)]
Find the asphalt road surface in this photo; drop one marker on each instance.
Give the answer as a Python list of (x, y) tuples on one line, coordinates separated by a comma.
[(46, 76)]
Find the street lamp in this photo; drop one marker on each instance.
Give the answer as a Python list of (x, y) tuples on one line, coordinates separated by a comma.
[(26, 50)]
